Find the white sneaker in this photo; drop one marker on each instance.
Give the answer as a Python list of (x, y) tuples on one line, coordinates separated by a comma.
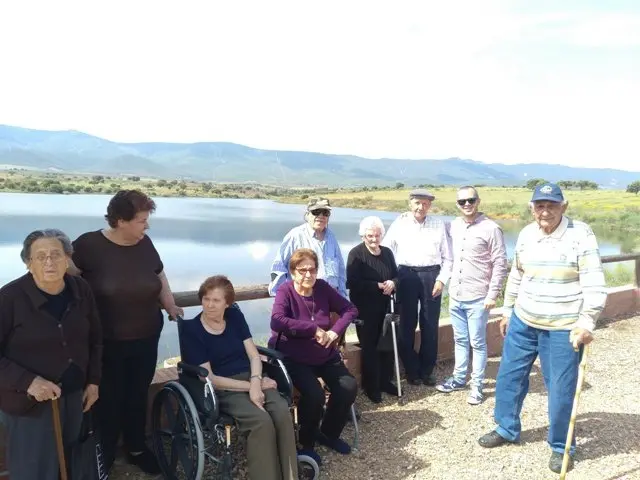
[(475, 396)]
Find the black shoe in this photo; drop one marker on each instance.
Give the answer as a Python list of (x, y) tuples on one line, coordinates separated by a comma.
[(413, 381), (555, 462), (390, 389), (375, 397), (145, 461), (492, 439), (430, 380)]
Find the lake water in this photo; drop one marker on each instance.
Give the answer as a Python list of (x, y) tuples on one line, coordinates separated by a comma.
[(196, 237)]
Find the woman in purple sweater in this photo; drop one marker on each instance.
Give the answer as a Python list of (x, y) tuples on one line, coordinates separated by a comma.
[(304, 333)]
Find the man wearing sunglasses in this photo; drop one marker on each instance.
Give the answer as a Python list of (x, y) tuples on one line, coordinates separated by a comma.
[(422, 249), (479, 271), (316, 235)]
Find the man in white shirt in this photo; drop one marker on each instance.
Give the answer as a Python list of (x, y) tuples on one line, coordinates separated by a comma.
[(422, 250)]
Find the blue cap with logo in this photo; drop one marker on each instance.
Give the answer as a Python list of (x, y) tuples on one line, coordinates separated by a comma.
[(549, 192)]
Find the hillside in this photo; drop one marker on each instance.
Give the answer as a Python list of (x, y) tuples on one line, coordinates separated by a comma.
[(77, 152)]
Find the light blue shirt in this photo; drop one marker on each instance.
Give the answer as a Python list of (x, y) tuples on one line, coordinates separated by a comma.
[(331, 264)]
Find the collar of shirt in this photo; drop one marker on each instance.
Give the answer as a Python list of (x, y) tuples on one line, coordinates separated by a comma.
[(479, 218), (557, 233), (312, 233)]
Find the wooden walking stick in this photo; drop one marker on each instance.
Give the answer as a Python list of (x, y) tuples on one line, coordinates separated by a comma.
[(574, 412), (57, 429)]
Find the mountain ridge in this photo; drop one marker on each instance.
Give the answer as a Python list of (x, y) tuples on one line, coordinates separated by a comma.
[(74, 151)]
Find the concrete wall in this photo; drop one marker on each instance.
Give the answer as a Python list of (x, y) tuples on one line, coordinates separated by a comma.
[(620, 301)]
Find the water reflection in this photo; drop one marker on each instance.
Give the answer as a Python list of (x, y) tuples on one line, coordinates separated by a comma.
[(196, 238)]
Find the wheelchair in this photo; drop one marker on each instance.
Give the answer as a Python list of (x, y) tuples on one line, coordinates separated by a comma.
[(188, 428)]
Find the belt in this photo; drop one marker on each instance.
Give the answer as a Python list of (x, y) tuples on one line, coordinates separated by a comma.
[(428, 268)]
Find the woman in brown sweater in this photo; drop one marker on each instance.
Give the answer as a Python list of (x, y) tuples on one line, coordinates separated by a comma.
[(50, 349), (127, 277)]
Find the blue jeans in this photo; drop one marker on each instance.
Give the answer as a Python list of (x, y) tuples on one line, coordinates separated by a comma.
[(469, 322), (559, 363)]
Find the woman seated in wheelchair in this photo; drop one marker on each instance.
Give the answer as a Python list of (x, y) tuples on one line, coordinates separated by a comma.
[(219, 340), (304, 332)]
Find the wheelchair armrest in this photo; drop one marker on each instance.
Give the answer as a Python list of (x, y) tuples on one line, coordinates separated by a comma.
[(193, 370), (270, 353)]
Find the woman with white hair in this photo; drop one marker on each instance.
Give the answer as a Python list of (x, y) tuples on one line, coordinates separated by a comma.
[(371, 279)]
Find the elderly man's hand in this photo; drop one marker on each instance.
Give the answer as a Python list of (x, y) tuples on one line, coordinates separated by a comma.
[(504, 324), (580, 336), (437, 289)]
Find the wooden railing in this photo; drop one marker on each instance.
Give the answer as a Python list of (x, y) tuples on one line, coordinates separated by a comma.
[(256, 292)]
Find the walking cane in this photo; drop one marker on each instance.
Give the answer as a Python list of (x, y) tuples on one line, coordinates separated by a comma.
[(57, 428), (574, 412)]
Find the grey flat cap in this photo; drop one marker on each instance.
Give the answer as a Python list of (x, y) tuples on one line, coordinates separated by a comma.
[(421, 193)]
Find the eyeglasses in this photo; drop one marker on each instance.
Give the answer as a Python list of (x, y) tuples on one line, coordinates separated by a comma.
[(304, 271), (42, 257), (470, 201), (318, 212)]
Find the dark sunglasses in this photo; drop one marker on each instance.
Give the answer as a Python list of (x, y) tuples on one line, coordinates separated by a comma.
[(470, 201), (318, 212)]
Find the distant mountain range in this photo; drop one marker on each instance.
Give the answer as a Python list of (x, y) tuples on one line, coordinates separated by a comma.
[(77, 152)]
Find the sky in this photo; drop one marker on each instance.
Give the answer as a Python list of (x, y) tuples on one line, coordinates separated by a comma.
[(495, 81)]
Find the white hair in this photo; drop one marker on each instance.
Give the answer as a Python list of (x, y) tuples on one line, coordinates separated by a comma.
[(370, 223)]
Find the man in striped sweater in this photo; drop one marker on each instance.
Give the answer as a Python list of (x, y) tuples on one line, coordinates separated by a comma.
[(555, 293)]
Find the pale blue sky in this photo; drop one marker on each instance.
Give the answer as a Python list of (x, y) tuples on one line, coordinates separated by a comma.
[(496, 81)]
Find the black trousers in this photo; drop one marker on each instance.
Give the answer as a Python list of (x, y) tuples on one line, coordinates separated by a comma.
[(127, 371), (415, 286), (32, 452), (343, 388), (377, 367)]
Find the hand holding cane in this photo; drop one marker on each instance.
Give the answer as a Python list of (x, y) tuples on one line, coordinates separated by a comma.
[(57, 428), (574, 411)]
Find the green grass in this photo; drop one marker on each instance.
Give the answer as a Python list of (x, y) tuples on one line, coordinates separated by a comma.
[(610, 209)]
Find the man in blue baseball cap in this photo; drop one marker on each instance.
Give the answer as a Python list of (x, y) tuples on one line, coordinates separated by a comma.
[(554, 295), (548, 191)]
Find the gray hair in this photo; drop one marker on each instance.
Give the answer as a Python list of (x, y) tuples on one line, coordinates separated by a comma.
[(54, 233), (370, 223)]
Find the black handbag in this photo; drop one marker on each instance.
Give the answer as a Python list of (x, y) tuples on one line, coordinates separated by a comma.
[(87, 460), (385, 341)]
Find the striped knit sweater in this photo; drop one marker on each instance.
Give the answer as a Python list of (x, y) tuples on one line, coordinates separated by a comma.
[(557, 280)]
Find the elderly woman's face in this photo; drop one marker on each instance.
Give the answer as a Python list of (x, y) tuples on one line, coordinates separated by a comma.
[(214, 302), (47, 260), (305, 273), (372, 237), (135, 227)]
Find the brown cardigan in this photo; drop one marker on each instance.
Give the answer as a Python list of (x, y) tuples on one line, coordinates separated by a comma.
[(33, 343)]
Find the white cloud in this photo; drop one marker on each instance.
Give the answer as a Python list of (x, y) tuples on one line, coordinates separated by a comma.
[(404, 79)]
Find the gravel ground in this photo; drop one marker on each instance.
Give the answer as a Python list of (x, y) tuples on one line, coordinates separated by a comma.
[(433, 436)]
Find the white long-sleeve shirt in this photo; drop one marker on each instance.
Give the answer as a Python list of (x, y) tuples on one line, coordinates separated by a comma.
[(423, 244)]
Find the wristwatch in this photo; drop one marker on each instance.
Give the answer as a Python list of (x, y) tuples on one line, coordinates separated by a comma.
[(259, 377)]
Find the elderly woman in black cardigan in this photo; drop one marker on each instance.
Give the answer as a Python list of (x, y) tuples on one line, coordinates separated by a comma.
[(50, 349), (371, 279)]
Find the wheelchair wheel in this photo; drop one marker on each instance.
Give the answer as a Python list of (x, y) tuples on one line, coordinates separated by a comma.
[(307, 468), (177, 434)]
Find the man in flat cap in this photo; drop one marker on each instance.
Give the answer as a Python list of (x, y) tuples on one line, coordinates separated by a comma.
[(555, 293), (422, 249), (316, 235)]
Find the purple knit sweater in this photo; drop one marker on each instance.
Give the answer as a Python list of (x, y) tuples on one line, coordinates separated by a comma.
[(291, 316)]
